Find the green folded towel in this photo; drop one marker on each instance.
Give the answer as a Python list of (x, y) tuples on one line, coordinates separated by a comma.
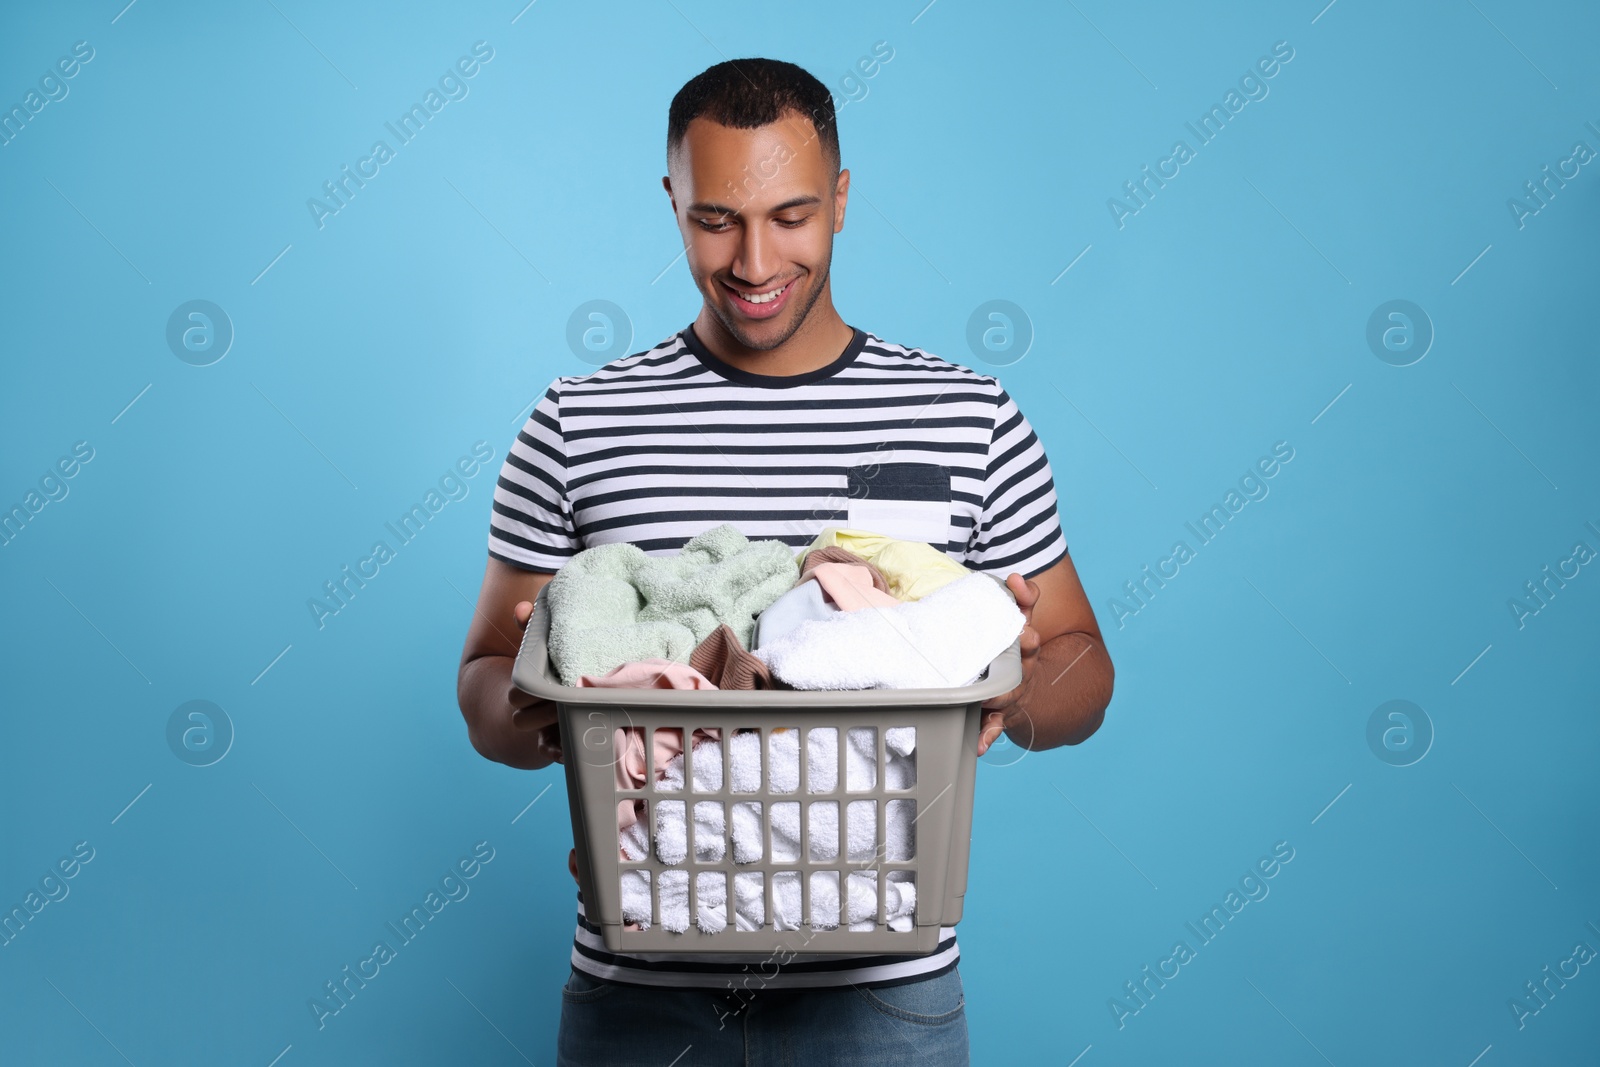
[(613, 604)]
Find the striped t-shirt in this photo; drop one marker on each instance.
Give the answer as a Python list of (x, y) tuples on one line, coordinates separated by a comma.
[(662, 445)]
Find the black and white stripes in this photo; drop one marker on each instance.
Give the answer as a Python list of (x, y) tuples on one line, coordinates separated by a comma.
[(657, 447)]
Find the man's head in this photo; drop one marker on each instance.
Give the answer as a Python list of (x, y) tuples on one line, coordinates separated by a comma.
[(755, 182)]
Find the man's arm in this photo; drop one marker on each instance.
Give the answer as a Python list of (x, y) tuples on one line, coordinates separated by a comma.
[(504, 723), (1067, 675)]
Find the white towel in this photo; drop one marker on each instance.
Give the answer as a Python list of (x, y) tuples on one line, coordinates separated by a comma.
[(822, 759), (710, 892), (746, 759), (945, 639), (822, 772), (750, 901)]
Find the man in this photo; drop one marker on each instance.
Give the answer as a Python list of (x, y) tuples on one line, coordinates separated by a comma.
[(772, 413)]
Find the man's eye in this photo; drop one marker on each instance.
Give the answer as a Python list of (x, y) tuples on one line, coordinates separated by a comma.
[(714, 225), (792, 223)]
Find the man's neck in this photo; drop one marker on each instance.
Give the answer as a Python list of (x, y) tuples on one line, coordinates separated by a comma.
[(817, 343)]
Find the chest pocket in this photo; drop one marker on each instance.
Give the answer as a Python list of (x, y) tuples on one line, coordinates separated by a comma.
[(907, 501)]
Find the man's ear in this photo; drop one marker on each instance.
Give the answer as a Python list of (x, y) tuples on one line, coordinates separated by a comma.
[(841, 196), (666, 183)]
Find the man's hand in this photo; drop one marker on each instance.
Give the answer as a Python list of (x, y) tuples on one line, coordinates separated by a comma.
[(547, 741), (504, 723), (1067, 676), (1002, 712)]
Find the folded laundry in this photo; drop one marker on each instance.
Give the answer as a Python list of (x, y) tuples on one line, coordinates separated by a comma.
[(721, 658), (652, 674), (804, 601), (913, 569), (945, 639), (613, 604), (710, 822)]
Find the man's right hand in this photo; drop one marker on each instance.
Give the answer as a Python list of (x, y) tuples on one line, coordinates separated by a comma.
[(548, 738), (504, 723)]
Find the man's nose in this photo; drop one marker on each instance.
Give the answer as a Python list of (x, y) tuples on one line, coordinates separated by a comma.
[(757, 261)]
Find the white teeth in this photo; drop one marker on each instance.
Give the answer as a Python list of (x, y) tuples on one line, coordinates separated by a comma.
[(764, 298)]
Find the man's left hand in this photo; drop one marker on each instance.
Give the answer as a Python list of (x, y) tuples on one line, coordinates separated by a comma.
[(1003, 710)]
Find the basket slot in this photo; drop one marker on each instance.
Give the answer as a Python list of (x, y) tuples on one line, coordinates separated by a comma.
[(786, 884), (822, 766), (823, 907), (906, 878), (785, 830), (636, 896), (822, 830), (673, 890), (864, 901), (633, 833), (900, 833), (671, 832), (749, 891), (663, 740), (900, 757), (711, 892), (863, 743), (710, 831), (702, 769), (744, 753), (783, 760), (747, 832), (861, 831)]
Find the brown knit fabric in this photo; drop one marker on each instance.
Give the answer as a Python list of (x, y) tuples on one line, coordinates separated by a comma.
[(835, 554), (721, 658)]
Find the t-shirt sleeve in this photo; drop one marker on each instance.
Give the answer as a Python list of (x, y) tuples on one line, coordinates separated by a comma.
[(531, 524), (1020, 529)]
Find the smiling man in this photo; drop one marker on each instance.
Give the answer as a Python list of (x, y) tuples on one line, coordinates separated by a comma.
[(758, 212), (772, 413)]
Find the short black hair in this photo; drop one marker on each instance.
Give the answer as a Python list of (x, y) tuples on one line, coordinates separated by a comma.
[(749, 93)]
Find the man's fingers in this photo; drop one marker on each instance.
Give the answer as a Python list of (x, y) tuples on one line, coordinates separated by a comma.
[(993, 727), (550, 742), (523, 612), (1025, 590)]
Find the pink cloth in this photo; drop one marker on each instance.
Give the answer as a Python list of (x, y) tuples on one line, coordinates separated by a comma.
[(850, 587), (630, 752), (630, 766), (648, 674)]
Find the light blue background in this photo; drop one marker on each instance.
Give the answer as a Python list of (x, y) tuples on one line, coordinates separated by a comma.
[(430, 312)]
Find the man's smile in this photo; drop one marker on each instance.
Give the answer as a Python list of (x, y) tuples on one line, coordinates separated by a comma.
[(761, 303)]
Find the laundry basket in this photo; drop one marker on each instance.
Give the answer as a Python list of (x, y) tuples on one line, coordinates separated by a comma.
[(854, 796)]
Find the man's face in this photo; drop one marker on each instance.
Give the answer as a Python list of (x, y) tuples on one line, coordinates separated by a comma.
[(758, 210)]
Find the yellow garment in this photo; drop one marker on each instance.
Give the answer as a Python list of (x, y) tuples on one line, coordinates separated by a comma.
[(913, 569)]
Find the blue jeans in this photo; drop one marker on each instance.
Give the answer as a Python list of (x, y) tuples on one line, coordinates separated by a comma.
[(611, 1024)]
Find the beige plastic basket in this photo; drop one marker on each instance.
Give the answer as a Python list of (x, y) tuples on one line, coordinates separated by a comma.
[(946, 721)]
